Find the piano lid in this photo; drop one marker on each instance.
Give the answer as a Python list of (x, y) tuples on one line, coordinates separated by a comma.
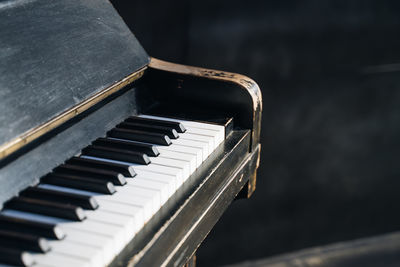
[(55, 54)]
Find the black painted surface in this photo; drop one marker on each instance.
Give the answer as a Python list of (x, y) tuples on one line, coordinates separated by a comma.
[(330, 131), (54, 54), (62, 143)]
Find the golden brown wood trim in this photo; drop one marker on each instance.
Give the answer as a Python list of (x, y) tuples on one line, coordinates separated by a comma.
[(31, 135), (243, 81)]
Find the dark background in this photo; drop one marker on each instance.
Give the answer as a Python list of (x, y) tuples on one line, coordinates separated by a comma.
[(329, 73)]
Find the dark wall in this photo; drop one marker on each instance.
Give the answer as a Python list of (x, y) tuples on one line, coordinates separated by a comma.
[(331, 122)]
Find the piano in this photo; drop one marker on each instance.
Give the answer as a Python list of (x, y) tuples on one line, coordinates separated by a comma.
[(110, 157)]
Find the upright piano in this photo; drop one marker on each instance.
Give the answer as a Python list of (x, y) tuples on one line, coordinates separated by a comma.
[(110, 157)]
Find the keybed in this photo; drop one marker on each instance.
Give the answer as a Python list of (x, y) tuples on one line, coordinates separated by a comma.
[(88, 209)]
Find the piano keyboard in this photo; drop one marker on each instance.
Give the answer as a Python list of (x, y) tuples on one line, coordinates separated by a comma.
[(87, 210)]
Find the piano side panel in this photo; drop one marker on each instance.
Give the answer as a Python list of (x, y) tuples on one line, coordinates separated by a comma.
[(233, 95)]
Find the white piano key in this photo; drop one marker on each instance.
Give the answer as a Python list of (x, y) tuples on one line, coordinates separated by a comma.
[(198, 152), (138, 195), (162, 187), (117, 232), (59, 260), (102, 242), (173, 163), (128, 223), (78, 251), (171, 180), (146, 204), (189, 158), (206, 132), (202, 138), (121, 208), (191, 143)]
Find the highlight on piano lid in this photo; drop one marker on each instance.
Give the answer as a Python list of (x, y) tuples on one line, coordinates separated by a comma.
[(113, 155)]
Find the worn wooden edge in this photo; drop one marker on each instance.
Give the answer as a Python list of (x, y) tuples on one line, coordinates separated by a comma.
[(15, 144), (241, 80), (251, 184)]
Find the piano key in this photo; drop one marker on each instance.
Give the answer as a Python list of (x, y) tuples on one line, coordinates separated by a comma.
[(86, 253), (196, 137), (57, 259), (78, 243), (196, 144), (176, 148), (186, 150), (183, 165), (46, 208), (168, 179), (23, 241), (141, 136), (144, 203), (161, 187), (116, 154), (112, 231), (85, 202), (106, 205), (177, 173), (87, 172), (126, 222), (170, 132), (120, 168), (147, 149), (103, 243), (133, 211), (186, 123), (189, 158), (206, 132), (29, 227), (152, 121), (111, 213), (80, 183), (220, 129), (130, 193), (15, 257)]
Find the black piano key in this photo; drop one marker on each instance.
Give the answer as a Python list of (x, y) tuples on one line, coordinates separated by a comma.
[(23, 241), (116, 154), (124, 169), (48, 208), (170, 132), (31, 227), (85, 202), (88, 172), (147, 149), (71, 181), (16, 257), (175, 125), (141, 136)]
